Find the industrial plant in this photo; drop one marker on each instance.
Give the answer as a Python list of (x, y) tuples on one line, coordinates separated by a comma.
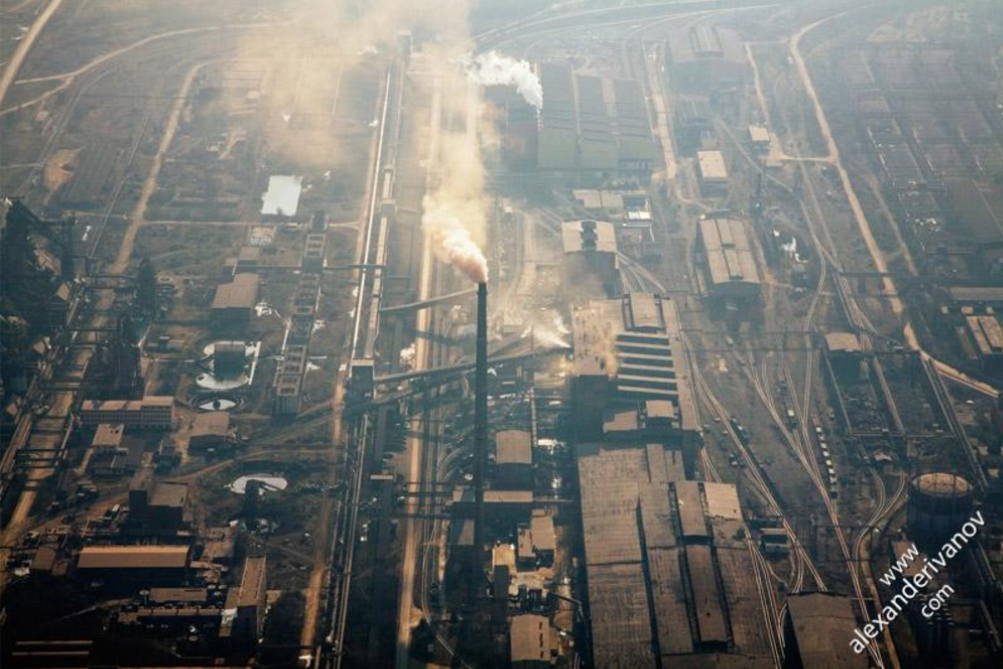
[(488, 334)]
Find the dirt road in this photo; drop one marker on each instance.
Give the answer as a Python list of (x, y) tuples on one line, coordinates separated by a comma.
[(21, 52)]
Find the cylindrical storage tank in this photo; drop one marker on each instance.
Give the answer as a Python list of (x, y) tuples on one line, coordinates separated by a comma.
[(939, 504)]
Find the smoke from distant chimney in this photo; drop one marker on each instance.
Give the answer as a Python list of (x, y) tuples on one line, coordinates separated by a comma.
[(494, 69)]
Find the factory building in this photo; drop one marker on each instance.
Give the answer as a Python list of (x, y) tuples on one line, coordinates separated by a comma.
[(114, 456), (817, 632), (529, 642), (667, 564), (692, 124), (626, 371), (578, 134), (705, 59), (544, 538), (728, 258), (557, 143), (590, 259), (536, 543), (987, 334), (150, 413), (234, 301), (759, 139), (636, 145), (210, 430), (713, 173), (244, 616), (513, 460), (129, 566), (519, 133), (157, 507), (597, 145)]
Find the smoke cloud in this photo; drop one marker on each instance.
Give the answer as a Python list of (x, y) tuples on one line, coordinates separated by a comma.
[(494, 69), (456, 208)]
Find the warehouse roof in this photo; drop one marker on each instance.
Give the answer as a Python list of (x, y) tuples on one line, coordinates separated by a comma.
[(711, 626), (529, 638), (988, 334), (822, 624), (722, 500), (542, 529), (108, 436), (513, 447), (133, 557), (620, 618), (211, 424), (712, 166), (241, 293), (728, 248), (634, 558)]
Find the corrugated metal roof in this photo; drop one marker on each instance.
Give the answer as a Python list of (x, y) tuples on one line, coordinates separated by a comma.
[(609, 522), (691, 513), (728, 249), (711, 624), (669, 601), (722, 500), (621, 624)]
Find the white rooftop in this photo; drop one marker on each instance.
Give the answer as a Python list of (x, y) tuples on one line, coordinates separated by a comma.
[(283, 195)]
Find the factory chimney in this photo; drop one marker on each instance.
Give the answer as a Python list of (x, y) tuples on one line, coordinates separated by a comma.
[(480, 437)]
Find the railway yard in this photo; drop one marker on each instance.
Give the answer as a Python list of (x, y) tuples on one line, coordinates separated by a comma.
[(608, 334)]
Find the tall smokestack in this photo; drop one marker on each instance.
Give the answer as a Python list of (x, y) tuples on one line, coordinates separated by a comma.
[(480, 435)]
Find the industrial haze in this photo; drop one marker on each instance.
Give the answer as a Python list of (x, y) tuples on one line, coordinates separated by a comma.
[(484, 333)]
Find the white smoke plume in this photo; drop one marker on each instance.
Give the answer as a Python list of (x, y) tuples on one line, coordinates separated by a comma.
[(454, 211), (456, 208), (494, 69), (452, 241)]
